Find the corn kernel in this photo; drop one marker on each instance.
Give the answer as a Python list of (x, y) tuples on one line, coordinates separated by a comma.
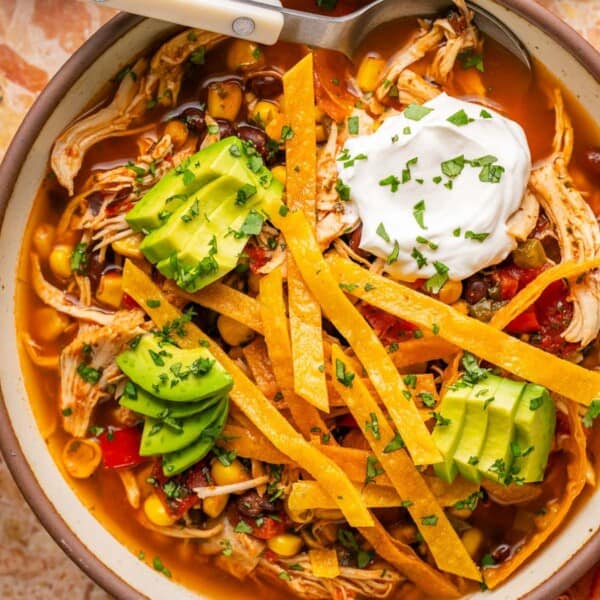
[(264, 112), (129, 246), (473, 541), (60, 261), (280, 173), (215, 505), (451, 292), (462, 307), (110, 290), (233, 332), (48, 324), (178, 132), (81, 457), (43, 239), (369, 73), (156, 512), (244, 55), (224, 100), (228, 475), (286, 544)]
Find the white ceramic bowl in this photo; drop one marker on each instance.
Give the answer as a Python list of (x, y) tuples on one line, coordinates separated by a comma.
[(570, 553)]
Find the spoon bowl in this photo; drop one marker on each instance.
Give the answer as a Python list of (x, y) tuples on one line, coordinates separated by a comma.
[(266, 22)]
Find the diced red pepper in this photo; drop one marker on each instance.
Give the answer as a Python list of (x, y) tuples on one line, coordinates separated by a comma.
[(524, 323), (120, 448), (388, 328), (257, 257), (128, 302)]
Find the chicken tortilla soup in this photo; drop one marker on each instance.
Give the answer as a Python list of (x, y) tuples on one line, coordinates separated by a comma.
[(329, 328)]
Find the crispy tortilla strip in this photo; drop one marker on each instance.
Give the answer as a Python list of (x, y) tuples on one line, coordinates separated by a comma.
[(224, 300), (301, 143), (306, 495), (277, 338), (354, 463), (307, 341), (446, 547), (482, 339), (402, 556), (324, 563), (350, 323), (251, 444), (574, 444), (531, 292), (248, 398), (423, 350), (301, 191), (257, 357)]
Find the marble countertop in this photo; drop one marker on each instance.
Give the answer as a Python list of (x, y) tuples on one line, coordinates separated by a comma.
[(36, 38)]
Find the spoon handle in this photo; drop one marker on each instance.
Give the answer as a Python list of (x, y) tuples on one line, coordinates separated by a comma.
[(229, 17)]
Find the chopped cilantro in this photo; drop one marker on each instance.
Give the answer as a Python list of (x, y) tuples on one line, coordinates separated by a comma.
[(396, 443), (460, 118), (415, 112), (341, 375)]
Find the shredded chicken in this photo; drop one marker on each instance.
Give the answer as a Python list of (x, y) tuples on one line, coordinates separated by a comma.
[(160, 83), (87, 367), (243, 552), (377, 582), (185, 532), (523, 222), (234, 488), (448, 38), (58, 300), (575, 225)]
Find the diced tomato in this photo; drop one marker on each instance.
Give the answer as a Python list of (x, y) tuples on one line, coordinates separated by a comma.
[(513, 279), (347, 421), (509, 285), (388, 328), (270, 556), (182, 496), (120, 448), (257, 257), (524, 323), (128, 302), (269, 527)]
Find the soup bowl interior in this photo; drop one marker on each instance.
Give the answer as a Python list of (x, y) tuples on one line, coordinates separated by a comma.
[(74, 527)]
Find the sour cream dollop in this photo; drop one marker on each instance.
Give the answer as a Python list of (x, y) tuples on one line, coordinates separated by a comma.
[(435, 187)]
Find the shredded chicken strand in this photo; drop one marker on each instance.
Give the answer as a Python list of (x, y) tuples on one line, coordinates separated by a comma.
[(575, 225)]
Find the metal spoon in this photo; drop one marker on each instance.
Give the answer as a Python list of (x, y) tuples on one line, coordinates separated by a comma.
[(266, 22)]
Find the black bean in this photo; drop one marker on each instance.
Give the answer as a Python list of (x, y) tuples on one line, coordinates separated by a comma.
[(255, 135), (195, 119), (475, 290), (225, 128), (501, 553), (266, 85), (252, 505)]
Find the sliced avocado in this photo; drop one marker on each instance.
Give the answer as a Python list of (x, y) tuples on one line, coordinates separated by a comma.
[(179, 461), (496, 456), (535, 422), (189, 218), (148, 405), (475, 428), (160, 437), (173, 374), (183, 181), (453, 408)]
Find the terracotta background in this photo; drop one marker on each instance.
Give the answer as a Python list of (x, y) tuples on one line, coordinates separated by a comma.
[(36, 38)]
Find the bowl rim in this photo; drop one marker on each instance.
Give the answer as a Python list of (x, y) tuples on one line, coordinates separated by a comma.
[(10, 169)]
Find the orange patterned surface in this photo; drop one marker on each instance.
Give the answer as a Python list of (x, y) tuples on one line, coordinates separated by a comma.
[(36, 37)]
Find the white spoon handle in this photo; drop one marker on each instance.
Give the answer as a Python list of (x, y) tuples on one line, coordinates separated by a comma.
[(229, 17)]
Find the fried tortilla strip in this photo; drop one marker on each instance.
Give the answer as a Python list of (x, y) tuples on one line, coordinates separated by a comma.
[(350, 323), (574, 444), (324, 563), (482, 339), (413, 352), (248, 398), (531, 292), (446, 547), (257, 357), (225, 300), (306, 495), (301, 191), (403, 557), (251, 444), (277, 338)]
